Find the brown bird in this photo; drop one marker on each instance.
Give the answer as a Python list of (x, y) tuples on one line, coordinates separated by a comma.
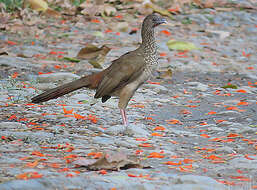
[(123, 77)]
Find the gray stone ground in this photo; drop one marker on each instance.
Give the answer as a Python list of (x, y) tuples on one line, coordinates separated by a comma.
[(215, 139)]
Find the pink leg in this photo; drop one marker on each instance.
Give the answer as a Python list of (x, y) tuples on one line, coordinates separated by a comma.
[(124, 117)]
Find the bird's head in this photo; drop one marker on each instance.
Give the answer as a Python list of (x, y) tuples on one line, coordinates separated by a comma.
[(153, 20)]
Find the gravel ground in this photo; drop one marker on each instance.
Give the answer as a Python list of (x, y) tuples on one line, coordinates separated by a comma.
[(188, 130)]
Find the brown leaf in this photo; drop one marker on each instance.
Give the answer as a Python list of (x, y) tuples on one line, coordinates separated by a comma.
[(158, 9), (3, 52), (22, 55), (52, 13), (94, 54), (166, 74), (96, 8), (208, 4), (109, 161)]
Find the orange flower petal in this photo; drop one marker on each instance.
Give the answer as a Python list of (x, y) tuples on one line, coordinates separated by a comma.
[(173, 163), (241, 90), (157, 134), (205, 135)]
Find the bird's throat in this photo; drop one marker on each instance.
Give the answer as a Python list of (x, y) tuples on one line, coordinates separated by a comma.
[(148, 41)]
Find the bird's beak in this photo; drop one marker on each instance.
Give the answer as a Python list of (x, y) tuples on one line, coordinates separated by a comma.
[(163, 21), (160, 21)]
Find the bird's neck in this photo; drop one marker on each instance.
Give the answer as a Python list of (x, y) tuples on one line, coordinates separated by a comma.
[(148, 41)]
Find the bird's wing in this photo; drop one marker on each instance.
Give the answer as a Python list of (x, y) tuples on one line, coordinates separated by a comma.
[(121, 72)]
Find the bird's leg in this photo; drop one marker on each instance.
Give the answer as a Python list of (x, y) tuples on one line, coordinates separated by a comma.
[(124, 117)]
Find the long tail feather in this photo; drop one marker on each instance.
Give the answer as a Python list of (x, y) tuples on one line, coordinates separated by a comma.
[(61, 90)]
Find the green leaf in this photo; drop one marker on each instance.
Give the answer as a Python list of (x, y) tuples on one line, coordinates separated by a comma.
[(84, 101), (180, 45), (230, 86), (71, 59)]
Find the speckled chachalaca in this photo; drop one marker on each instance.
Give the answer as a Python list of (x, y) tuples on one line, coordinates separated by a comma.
[(123, 77)]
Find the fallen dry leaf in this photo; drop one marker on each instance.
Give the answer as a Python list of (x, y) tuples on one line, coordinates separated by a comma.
[(166, 74), (158, 9), (95, 55), (108, 161), (3, 53), (52, 13), (38, 5)]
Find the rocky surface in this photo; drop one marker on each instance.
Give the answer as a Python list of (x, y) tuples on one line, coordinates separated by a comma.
[(204, 135)]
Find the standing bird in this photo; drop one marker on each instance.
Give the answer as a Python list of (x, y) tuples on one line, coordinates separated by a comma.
[(123, 77)]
